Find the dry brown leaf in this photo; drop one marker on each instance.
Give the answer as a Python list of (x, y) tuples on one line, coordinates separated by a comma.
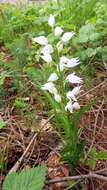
[(58, 173), (46, 125), (56, 170), (53, 160)]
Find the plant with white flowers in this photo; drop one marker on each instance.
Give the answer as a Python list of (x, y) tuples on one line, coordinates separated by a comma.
[(62, 99)]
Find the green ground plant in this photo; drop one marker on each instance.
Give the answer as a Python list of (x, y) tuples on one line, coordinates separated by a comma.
[(62, 96)]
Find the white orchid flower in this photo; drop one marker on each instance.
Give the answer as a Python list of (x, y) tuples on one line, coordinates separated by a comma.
[(58, 31), (62, 63), (71, 94), (48, 49), (72, 78), (57, 97), (51, 20), (64, 59), (69, 107), (68, 63), (47, 57), (72, 62), (76, 106), (49, 86), (42, 40), (53, 77), (61, 66), (59, 46), (76, 90), (67, 36)]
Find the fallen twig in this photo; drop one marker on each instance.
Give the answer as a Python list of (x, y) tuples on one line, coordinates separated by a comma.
[(93, 89), (103, 171), (70, 178)]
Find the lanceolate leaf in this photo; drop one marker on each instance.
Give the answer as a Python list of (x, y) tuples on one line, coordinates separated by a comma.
[(32, 179)]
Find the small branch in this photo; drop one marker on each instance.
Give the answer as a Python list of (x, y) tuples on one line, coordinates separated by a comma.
[(93, 89), (103, 171), (70, 178), (17, 164)]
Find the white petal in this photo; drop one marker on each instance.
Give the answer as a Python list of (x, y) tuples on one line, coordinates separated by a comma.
[(62, 63), (73, 62), (47, 57), (51, 20), (76, 90), (53, 77), (67, 36), (58, 31), (71, 96), (49, 86), (69, 107), (42, 40), (48, 49), (64, 59), (59, 46), (72, 78), (76, 106), (57, 97), (61, 66)]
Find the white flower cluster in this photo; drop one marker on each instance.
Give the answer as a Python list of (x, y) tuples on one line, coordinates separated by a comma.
[(64, 63), (47, 49), (70, 95)]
